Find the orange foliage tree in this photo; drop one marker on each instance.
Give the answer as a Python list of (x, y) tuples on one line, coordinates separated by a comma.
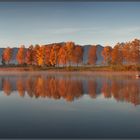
[(126, 52), (77, 54), (135, 51), (69, 49), (41, 55), (117, 55), (106, 53), (52, 59), (62, 56), (47, 55), (21, 55), (30, 55), (56, 51), (131, 52), (7, 54)]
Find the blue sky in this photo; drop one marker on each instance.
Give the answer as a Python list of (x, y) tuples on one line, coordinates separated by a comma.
[(104, 23)]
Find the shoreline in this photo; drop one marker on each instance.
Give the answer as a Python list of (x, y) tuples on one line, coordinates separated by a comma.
[(26, 70)]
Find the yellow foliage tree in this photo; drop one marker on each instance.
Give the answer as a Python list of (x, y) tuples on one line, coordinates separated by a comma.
[(39, 55)]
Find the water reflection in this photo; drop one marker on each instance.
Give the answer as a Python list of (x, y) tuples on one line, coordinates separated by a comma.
[(71, 88)]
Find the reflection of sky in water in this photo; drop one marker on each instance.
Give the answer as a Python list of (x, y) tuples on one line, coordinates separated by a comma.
[(84, 117)]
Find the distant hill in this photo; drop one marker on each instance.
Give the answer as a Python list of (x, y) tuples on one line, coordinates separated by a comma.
[(98, 53)]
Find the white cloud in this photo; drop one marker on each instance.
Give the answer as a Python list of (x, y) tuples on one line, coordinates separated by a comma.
[(96, 31), (70, 30)]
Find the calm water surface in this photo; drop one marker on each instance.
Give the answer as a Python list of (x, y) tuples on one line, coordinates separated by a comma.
[(69, 106)]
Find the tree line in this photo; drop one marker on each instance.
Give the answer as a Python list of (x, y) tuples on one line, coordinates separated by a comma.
[(69, 53), (122, 53)]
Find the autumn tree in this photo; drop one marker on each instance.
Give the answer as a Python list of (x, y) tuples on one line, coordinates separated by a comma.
[(126, 52), (39, 56), (131, 52), (62, 56), (135, 51), (69, 49), (56, 51), (77, 54), (117, 55), (47, 54), (106, 53), (36, 54), (30, 55), (52, 59), (21, 55), (92, 57), (7, 54)]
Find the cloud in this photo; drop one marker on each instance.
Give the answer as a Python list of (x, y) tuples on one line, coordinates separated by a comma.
[(96, 31), (70, 30), (125, 30), (63, 30)]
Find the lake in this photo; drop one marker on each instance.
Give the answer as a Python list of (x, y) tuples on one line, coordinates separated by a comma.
[(69, 105)]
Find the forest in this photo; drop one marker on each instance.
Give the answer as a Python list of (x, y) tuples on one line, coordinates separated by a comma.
[(68, 54)]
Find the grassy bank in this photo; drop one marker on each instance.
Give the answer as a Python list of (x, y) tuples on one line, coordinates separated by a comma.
[(72, 68)]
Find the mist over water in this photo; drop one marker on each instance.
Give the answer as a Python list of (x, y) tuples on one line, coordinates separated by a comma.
[(69, 105)]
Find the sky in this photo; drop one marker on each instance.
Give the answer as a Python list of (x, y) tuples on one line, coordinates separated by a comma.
[(104, 23)]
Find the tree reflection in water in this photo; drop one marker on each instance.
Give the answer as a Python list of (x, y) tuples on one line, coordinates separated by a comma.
[(70, 88)]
